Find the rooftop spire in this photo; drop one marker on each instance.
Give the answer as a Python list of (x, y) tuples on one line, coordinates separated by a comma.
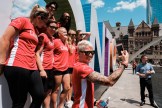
[(155, 21), (131, 23)]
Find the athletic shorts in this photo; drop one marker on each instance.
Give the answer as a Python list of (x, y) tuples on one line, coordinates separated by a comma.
[(48, 82)]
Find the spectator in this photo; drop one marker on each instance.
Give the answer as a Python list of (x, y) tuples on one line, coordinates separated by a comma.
[(17, 53), (145, 70), (60, 65), (45, 59), (84, 77), (134, 65)]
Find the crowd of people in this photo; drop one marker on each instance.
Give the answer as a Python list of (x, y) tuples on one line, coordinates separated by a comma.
[(40, 53)]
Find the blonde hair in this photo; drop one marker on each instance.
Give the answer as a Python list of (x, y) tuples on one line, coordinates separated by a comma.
[(37, 9), (70, 41)]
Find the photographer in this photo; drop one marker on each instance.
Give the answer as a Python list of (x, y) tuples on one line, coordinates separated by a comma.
[(84, 77)]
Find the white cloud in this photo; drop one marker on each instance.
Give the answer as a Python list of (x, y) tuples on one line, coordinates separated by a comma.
[(22, 7), (128, 5), (97, 3)]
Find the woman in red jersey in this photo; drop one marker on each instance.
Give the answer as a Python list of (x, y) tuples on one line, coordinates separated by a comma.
[(72, 50), (17, 53), (44, 55), (61, 74)]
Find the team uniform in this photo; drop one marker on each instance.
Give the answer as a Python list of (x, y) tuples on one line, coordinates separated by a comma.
[(61, 57), (21, 69), (83, 89), (47, 60), (71, 57)]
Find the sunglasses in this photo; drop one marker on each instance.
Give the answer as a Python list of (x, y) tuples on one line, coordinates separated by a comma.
[(53, 27), (73, 35), (53, 7), (67, 17), (87, 53)]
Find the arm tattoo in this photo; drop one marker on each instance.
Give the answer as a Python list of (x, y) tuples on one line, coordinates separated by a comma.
[(96, 77)]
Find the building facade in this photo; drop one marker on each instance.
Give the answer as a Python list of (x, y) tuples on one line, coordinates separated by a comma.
[(154, 10), (134, 38)]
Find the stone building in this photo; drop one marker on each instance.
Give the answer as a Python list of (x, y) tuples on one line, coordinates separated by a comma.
[(134, 38)]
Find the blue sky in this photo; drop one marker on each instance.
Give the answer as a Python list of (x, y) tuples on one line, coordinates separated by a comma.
[(112, 10), (119, 10)]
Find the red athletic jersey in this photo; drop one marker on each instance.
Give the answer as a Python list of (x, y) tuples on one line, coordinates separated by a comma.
[(83, 89), (61, 56), (22, 47), (76, 55), (72, 55), (47, 54)]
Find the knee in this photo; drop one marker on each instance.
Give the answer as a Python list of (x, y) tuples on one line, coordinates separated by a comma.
[(66, 89), (56, 90)]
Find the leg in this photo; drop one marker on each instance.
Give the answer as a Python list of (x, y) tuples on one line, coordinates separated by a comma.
[(149, 88), (133, 70), (17, 83), (142, 89), (48, 85), (58, 79), (36, 89), (66, 87), (69, 102), (47, 100)]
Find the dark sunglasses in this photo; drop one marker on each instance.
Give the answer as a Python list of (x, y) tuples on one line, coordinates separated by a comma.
[(53, 27), (67, 17), (88, 52), (73, 35), (44, 16), (53, 7)]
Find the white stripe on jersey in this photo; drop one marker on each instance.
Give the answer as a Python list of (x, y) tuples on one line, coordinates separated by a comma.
[(42, 56), (13, 51), (84, 90)]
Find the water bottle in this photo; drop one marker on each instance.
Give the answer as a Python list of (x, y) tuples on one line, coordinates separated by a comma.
[(103, 103)]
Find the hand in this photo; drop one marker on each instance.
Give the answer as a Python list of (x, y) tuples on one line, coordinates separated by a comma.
[(125, 58), (143, 75), (148, 72), (43, 74)]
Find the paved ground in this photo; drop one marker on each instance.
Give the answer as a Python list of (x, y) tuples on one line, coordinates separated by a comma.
[(126, 92)]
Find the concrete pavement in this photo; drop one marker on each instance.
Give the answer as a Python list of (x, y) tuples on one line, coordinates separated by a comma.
[(126, 92)]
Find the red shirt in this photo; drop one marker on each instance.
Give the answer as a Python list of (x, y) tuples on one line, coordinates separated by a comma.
[(22, 47), (61, 56), (47, 54), (72, 55), (76, 55), (83, 89)]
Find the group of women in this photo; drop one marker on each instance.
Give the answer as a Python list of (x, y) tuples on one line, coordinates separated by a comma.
[(37, 55)]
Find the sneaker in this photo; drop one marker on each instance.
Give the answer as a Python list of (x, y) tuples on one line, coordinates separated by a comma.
[(142, 103), (69, 104), (154, 105)]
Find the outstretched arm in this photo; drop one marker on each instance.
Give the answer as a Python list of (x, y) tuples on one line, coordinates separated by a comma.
[(104, 80), (112, 79)]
